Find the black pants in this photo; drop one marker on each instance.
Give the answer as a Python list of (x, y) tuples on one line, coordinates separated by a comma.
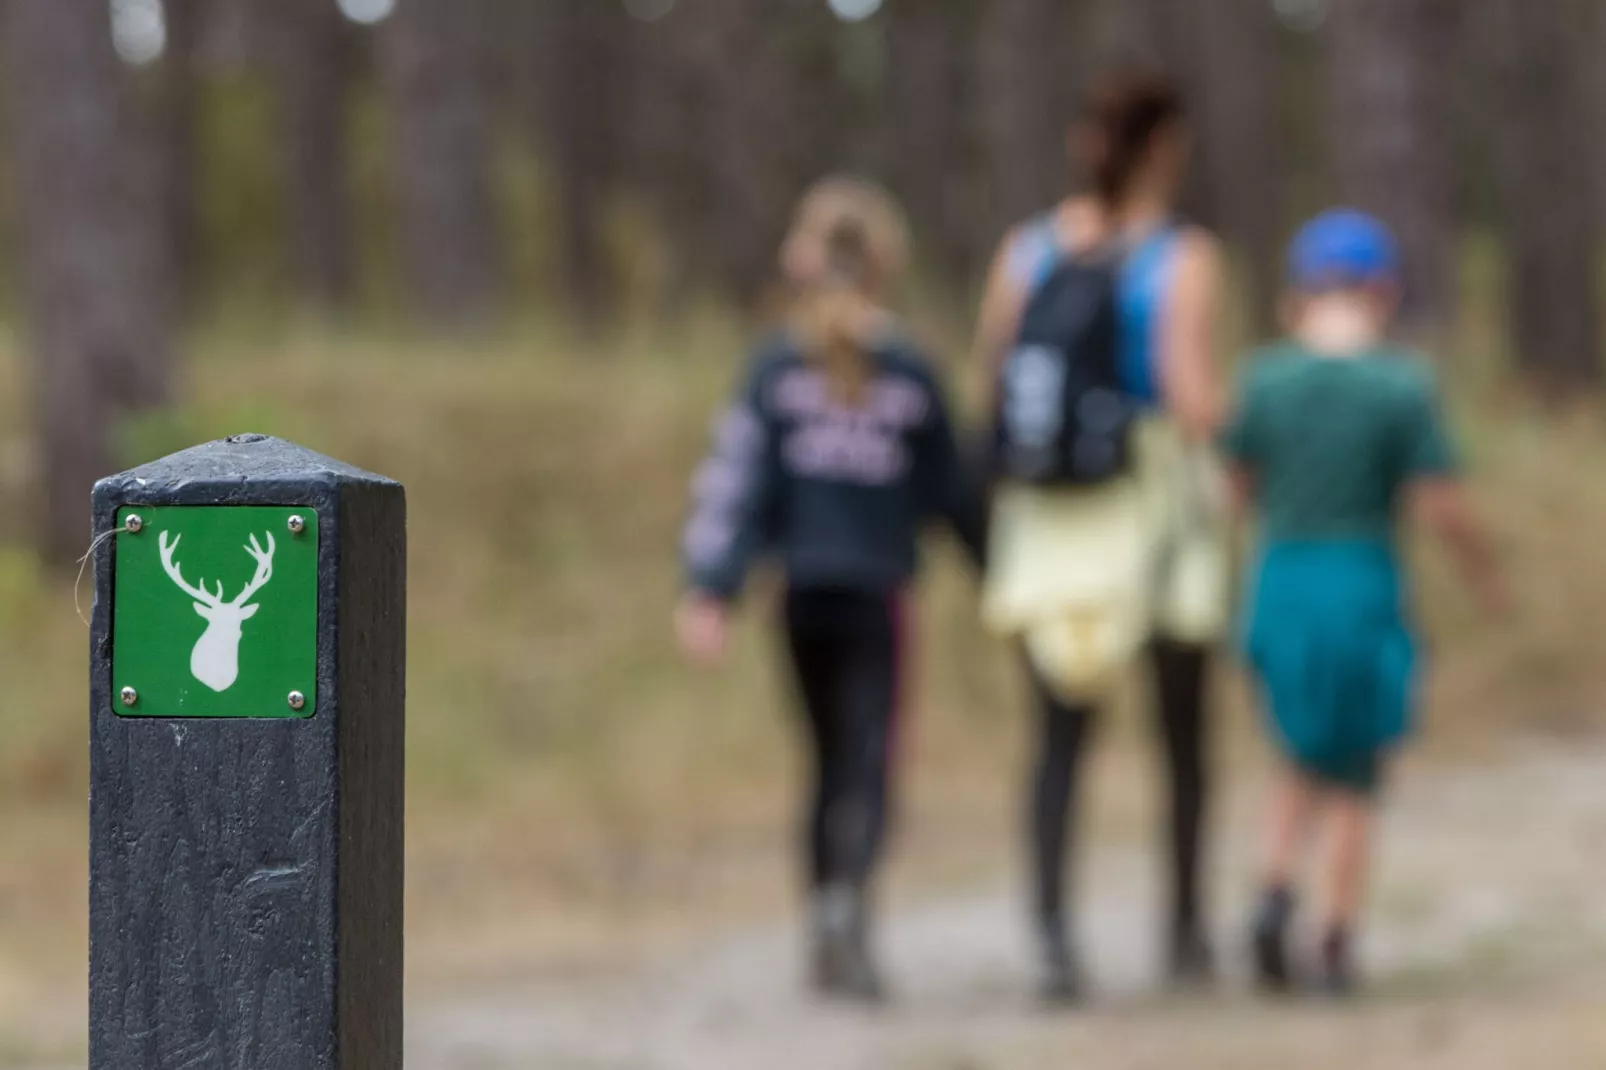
[(1180, 679), (844, 648)]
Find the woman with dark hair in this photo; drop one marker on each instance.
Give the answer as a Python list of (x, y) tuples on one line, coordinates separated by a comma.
[(1086, 577)]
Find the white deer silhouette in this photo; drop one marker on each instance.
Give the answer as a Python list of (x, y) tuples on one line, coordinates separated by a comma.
[(215, 661)]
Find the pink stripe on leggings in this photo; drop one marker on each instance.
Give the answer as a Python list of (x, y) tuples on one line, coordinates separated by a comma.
[(899, 612)]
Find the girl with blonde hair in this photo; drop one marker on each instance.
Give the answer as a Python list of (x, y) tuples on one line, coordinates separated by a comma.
[(836, 453)]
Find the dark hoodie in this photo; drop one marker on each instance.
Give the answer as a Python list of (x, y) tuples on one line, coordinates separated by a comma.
[(838, 494)]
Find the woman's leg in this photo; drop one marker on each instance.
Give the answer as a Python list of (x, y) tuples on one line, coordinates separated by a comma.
[(1063, 731), (1181, 683)]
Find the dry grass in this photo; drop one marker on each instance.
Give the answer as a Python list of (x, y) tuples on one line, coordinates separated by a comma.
[(559, 752)]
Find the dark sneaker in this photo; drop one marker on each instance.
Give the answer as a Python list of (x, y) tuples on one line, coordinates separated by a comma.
[(1338, 967), (843, 965), (1192, 964), (846, 971), (1269, 942), (1061, 984)]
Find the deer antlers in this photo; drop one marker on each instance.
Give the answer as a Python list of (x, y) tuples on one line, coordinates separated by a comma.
[(264, 572)]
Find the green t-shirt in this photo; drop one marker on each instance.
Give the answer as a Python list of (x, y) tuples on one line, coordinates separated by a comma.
[(1330, 442)]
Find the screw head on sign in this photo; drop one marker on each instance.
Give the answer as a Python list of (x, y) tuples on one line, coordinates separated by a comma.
[(134, 524), (129, 696), (297, 525), (298, 701)]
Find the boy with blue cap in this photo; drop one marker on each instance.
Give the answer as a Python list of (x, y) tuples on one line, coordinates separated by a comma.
[(1336, 433)]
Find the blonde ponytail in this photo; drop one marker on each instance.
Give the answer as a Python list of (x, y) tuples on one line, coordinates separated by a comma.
[(833, 315), (848, 245)]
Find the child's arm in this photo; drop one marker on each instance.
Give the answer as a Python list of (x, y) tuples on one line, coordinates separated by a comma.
[(950, 489), (731, 498), (1441, 505), (1239, 442), (1438, 500), (1241, 483)]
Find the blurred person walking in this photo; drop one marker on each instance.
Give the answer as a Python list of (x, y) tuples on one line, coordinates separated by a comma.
[(1336, 435), (1085, 572), (836, 453)]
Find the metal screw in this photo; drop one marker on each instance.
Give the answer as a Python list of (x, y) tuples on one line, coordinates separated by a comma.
[(297, 525), (129, 696), (134, 524), (298, 701)]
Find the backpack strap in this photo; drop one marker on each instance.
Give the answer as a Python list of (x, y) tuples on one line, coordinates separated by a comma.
[(1035, 252), (1146, 255)]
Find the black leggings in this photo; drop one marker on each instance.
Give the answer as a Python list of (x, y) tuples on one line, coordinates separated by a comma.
[(844, 648), (1180, 681)]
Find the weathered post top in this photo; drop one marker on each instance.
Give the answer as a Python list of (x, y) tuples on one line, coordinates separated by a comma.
[(246, 766)]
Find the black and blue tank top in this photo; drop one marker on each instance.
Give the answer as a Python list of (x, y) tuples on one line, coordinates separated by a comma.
[(1145, 281)]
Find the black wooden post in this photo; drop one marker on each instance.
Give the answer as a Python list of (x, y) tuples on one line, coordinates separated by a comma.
[(246, 865)]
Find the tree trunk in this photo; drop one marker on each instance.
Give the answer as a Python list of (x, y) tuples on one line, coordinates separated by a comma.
[(1174, 32), (662, 143), (752, 148), (1391, 146), (313, 58), (1025, 105), (177, 139), (93, 279), (928, 82), (581, 91), (432, 58), (753, 136), (1547, 190), (1236, 120), (1132, 33)]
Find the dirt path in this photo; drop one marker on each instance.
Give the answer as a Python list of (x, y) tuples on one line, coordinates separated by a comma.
[(1490, 928)]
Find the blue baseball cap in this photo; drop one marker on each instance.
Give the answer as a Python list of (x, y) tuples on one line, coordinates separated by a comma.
[(1342, 247)]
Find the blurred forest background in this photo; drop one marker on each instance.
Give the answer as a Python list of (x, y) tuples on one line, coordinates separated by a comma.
[(456, 160), (508, 251)]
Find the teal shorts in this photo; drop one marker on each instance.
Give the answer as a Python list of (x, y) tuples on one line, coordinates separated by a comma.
[(1329, 640)]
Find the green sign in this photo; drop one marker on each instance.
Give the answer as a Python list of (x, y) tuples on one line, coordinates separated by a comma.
[(215, 612)]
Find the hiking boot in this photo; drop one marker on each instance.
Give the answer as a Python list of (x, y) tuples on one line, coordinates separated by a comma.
[(1338, 967), (1193, 964), (843, 966), (1061, 982), (1269, 942)]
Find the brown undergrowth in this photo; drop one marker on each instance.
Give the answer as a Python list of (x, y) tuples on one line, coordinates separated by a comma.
[(560, 754)]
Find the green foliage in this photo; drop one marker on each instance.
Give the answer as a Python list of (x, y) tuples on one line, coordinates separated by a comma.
[(157, 433), (378, 250), (241, 194), (546, 486), (22, 587), (551, 721), (529, 217)]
